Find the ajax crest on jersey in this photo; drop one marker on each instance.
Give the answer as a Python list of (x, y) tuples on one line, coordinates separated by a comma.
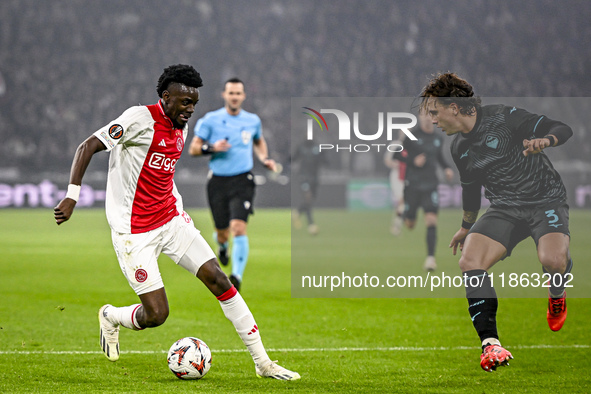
[(189, 358)]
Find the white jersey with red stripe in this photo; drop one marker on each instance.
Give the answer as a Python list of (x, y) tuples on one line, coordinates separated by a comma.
[(144, 147)]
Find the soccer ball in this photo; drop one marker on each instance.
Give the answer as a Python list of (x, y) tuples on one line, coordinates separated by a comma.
[(189, 358)]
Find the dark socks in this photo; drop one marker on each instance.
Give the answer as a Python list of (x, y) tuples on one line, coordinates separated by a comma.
[(306, 209), (482, 303), (557, 284), (431, 240)]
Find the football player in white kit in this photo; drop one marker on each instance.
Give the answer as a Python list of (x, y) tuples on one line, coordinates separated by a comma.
[(145, 213)]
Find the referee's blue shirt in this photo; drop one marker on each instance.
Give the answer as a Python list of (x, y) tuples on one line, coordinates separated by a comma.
[(239, 130)]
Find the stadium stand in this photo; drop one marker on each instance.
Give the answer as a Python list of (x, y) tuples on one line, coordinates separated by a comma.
[(69, 65)]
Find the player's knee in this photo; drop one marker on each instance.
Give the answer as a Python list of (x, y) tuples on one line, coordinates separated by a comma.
[(431, 220), (238, 227), (468, 263), (410, 224), (553, 262)]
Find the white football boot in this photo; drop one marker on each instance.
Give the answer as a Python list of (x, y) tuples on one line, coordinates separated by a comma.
[(272, 370), (109, 335), (430, 264)]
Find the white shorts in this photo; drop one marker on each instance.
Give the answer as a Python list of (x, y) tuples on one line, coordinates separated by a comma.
[(178, 239)]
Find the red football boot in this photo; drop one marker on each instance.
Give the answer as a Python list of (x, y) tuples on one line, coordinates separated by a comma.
[(494, 356), (556, 314)]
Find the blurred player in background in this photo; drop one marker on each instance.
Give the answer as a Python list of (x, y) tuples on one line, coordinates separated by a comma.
[(501, 148), (421, 181), (145, 213), (308, 160), (396, 178), (229, 135)]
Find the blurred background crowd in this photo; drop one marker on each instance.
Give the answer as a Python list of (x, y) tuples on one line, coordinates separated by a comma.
[(67, 67)]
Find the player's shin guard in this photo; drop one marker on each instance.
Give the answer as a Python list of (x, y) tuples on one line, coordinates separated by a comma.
[(240, 251), (482, 303), (431, 240), (558, 281), (124, 316), (238, 313)]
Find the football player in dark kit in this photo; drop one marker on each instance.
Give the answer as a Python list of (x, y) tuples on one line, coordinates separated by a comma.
[(310, 159), (501, 148), (421, 180)]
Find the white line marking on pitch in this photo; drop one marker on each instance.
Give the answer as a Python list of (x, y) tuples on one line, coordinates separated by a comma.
[(339, 349)]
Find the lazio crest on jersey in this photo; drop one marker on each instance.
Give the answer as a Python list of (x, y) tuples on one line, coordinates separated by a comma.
[(492, 142)]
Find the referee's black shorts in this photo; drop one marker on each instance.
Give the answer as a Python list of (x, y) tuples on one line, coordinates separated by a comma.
[(511, 225), (230, 197)]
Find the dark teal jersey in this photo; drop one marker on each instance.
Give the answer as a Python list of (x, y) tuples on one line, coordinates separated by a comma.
[(431, 145), (310, 160), (491, 155)]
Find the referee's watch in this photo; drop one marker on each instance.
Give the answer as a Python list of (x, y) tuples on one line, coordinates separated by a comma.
[(206, 149)]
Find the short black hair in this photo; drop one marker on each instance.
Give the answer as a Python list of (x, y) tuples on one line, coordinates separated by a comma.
[(234, 80), (178, 73)]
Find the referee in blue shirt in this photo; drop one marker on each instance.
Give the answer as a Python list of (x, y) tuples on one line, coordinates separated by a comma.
[(229, 135)]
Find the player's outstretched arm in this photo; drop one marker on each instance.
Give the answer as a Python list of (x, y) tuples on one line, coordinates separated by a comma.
[(63, 210), (550, 133)]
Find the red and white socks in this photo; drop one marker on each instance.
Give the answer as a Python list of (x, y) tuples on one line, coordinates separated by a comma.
[(238, 313), (124, 316)]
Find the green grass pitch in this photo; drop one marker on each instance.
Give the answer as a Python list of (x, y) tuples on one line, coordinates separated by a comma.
[(54, 279)]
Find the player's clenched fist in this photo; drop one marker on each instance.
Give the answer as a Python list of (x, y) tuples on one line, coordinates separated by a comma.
[(63, 210), (536, 145)]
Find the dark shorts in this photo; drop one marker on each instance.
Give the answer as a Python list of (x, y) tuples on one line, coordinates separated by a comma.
[(415, 198), (230, 197), (509, 226)]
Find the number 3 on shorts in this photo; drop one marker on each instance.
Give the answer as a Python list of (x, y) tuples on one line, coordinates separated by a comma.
[(553, 218)]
